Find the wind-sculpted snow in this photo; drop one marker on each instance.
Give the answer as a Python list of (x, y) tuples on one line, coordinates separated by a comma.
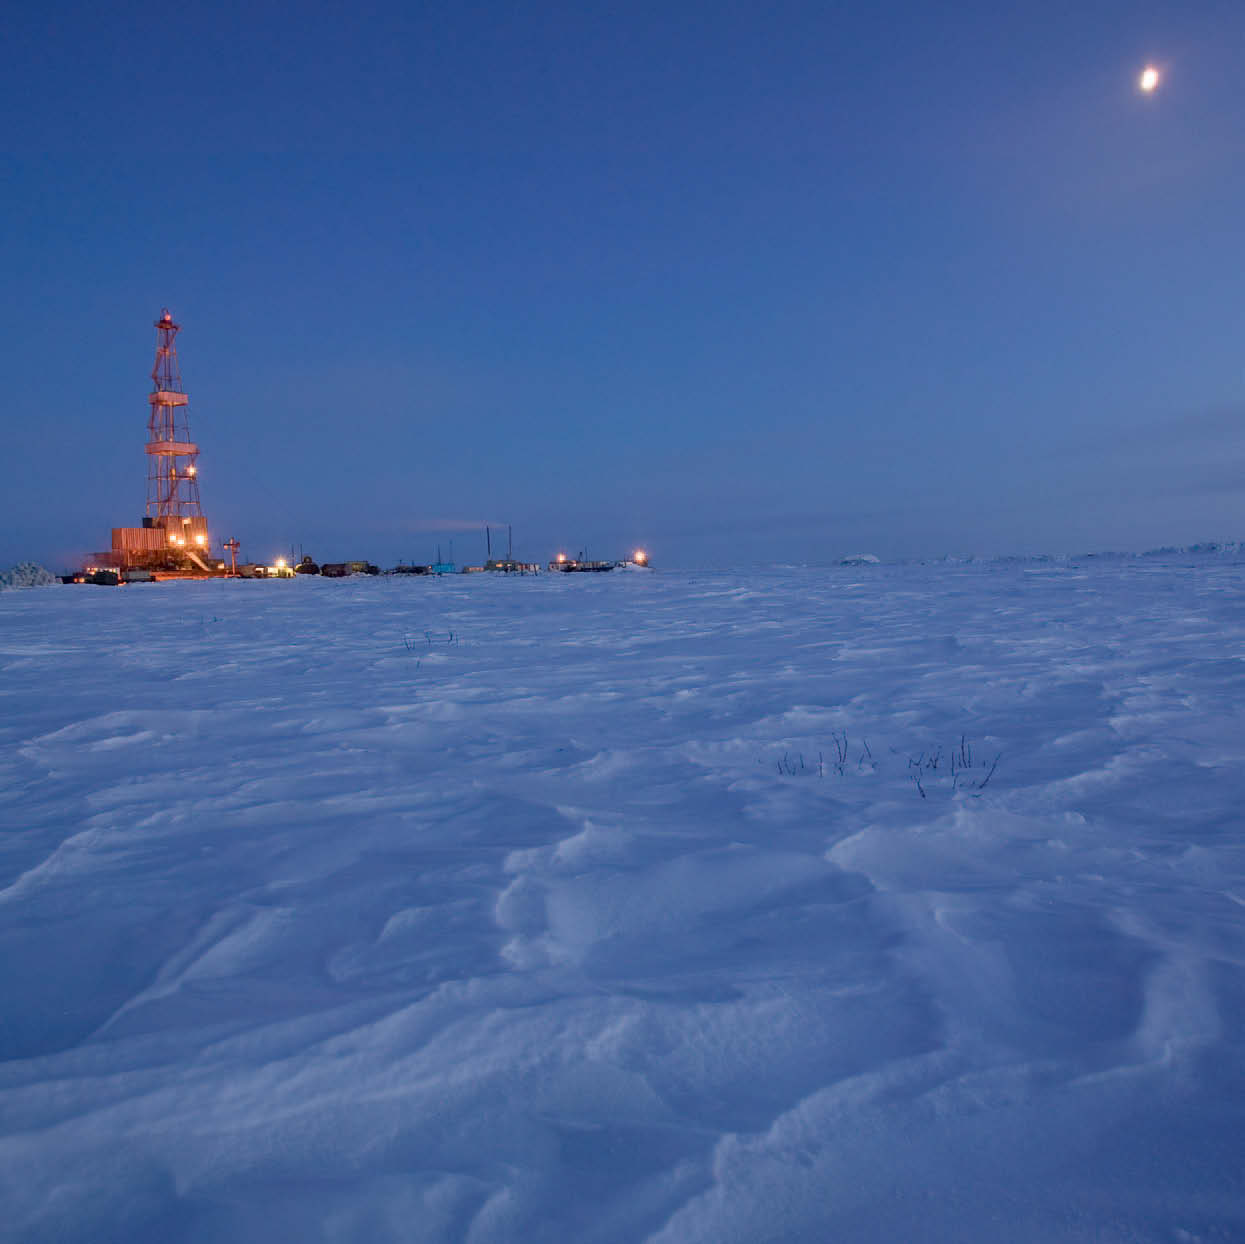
[(865, 904)]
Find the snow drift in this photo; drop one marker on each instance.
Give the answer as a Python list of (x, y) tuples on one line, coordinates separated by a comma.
[(619, 908)]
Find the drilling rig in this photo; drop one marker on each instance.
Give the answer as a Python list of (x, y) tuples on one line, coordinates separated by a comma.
[(174, 534)]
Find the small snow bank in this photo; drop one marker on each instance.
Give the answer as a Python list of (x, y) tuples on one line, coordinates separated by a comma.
[(27, 574), (860, 559), (1207, 548)]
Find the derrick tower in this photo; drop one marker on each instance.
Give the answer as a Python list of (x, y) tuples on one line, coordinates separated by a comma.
[(172, 474), (174, 532)]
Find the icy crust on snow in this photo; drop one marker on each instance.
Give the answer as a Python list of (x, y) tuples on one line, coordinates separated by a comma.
[(671, 908)]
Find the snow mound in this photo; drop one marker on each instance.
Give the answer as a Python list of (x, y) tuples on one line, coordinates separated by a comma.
[(860, 559), (27, 574)]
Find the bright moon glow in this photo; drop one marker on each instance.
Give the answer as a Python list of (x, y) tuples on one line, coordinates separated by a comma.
[(1149, 78)]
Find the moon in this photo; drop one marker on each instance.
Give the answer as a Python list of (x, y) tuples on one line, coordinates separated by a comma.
[(1149, 79)]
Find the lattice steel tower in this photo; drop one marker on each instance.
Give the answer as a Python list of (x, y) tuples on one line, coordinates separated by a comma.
[(172, 476)]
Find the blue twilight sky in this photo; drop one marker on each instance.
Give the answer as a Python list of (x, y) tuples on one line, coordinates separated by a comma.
[(769, 281)]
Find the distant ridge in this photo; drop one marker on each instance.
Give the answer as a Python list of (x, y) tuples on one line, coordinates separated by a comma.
[(1206, 548)]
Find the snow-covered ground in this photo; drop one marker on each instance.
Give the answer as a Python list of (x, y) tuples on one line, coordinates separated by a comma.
[(610, 908)]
